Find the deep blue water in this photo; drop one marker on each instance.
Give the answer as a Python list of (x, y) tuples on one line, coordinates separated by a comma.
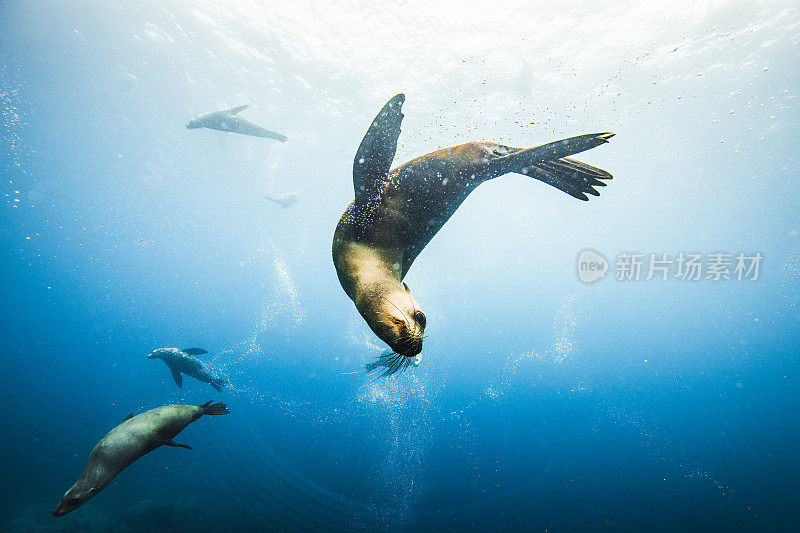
[(542, 403)]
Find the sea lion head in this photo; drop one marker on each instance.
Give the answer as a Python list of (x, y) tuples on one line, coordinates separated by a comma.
[(193, 124), (163, 353), (397, 320), (76, 496)]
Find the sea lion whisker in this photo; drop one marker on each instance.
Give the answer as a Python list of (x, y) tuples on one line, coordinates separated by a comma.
[(391, 362), (385, 360), (390, 359), (404, 363), (392, 368)]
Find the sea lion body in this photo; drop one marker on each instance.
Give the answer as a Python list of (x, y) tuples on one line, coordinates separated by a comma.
[(415, 202), (285, 199), (183, 362), (396, 213), (229, 121), (133, 438)]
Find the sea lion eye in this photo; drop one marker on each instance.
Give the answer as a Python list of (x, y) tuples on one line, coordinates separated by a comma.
[(419, 316)]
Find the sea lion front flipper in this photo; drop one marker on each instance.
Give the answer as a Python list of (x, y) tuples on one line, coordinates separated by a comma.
[(376, 151), (194, 351), (215, 409), (174, 444), (176, 375), (238, 109)]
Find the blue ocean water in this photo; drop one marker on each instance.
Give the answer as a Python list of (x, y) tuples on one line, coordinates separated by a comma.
[(542, 403)]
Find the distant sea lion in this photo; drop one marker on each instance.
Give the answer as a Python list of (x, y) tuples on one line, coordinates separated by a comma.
[(230, 122), (134, 437), (284, 199), (184, 362), (397, 212)]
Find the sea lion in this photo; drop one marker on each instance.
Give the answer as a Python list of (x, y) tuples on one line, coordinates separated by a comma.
[(284, 199), (396, 213), (133, 438), (184, 362), (230, 122)]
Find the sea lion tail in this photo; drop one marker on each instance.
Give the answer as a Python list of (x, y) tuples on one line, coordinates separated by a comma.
[(570, 176), (277, 136), (214, 409), (258, 131), (549, 163)]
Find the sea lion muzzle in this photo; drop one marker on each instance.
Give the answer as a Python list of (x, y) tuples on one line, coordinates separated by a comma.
[(409, 346)]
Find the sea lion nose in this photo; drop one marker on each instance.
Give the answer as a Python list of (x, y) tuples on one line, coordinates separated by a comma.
[(412, 348)]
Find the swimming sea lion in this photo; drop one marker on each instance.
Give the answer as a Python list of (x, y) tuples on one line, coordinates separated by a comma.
[(183, 362), (134, 437), (397, 212), (284, 199), (230, 122)]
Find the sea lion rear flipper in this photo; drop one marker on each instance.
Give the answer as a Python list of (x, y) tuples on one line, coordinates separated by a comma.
[(176, 375), (571, 176), (376, 151), (218, 384), (549, 163), (174, 444), (267, 134), (128, 417), (238, 109), (194, 351)]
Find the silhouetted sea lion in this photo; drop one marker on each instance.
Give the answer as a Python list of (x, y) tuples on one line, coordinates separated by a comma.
[(397, 212), (134, 437), (284, 199), (230, 122), (184, 362)]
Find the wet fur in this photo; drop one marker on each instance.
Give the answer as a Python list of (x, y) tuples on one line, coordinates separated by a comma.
[(397, 212)]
